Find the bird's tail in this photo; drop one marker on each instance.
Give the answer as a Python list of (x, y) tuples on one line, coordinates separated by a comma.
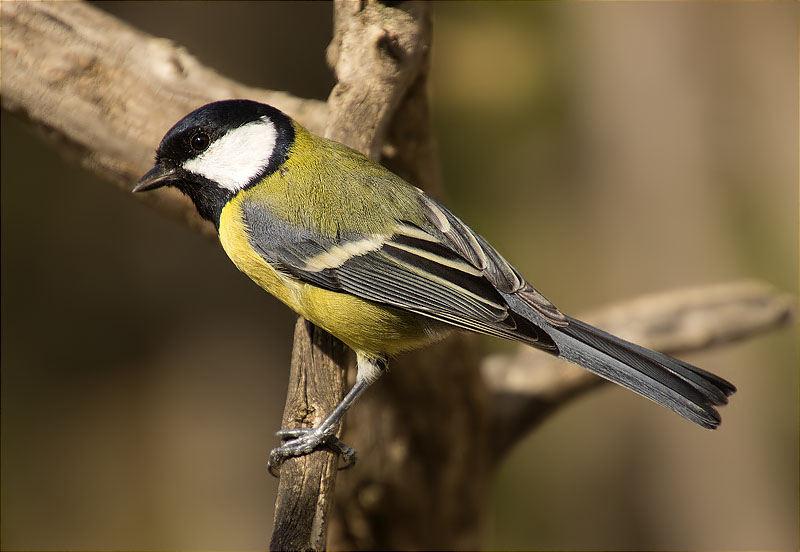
[(691, 392)]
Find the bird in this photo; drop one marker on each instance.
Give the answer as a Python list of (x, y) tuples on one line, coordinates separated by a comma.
[(379, 264)]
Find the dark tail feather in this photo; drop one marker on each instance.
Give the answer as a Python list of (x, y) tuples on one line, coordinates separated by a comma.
[(686, 389)]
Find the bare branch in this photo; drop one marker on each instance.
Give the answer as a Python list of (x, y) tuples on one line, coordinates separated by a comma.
[(422, 476), (105, 93), (306, 485), (377, 52), (529, 385), (374, 75)]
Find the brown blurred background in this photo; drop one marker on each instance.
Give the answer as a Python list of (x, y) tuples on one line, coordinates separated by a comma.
[(608, 150)]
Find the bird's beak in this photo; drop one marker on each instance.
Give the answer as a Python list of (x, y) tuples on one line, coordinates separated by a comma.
[(156, 177)]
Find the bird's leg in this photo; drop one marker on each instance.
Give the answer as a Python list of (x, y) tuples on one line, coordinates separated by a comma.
[(302, 441)]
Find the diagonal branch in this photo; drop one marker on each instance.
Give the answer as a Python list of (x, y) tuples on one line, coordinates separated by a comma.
[(528, 386), (104, 93)]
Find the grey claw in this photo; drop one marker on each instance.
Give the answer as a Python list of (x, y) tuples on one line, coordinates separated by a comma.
[(302, 441)]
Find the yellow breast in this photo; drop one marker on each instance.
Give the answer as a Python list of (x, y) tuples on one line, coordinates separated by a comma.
[(363, 325)]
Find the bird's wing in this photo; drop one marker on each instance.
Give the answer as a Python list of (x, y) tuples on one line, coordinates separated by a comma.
[(437, 267), (441, 269), (686, 389)]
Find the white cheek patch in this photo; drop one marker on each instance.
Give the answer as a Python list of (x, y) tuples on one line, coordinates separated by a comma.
[(233, 159)]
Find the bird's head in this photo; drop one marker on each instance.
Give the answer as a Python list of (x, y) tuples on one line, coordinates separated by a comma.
[(218, 150)]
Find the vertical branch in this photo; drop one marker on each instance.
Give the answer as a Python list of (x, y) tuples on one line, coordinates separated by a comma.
[(421, 430), (305, 490), (376, 53)]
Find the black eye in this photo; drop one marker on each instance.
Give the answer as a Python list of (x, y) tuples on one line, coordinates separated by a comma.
[(199, 141)]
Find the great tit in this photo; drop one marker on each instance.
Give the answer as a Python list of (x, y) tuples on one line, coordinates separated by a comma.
[(377, 263)]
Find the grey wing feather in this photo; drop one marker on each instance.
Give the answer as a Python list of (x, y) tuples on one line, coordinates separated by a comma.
[(691, 392), (447, 272), (497, 270), (450, 276)]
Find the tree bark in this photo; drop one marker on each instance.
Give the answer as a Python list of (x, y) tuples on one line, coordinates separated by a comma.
[(104, 93), (306, 485)]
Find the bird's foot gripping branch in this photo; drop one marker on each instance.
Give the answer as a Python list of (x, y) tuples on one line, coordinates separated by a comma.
[(302, 441)]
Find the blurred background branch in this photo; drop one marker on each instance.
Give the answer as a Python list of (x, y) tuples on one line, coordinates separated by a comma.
[(527, 386), (103, 93)]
